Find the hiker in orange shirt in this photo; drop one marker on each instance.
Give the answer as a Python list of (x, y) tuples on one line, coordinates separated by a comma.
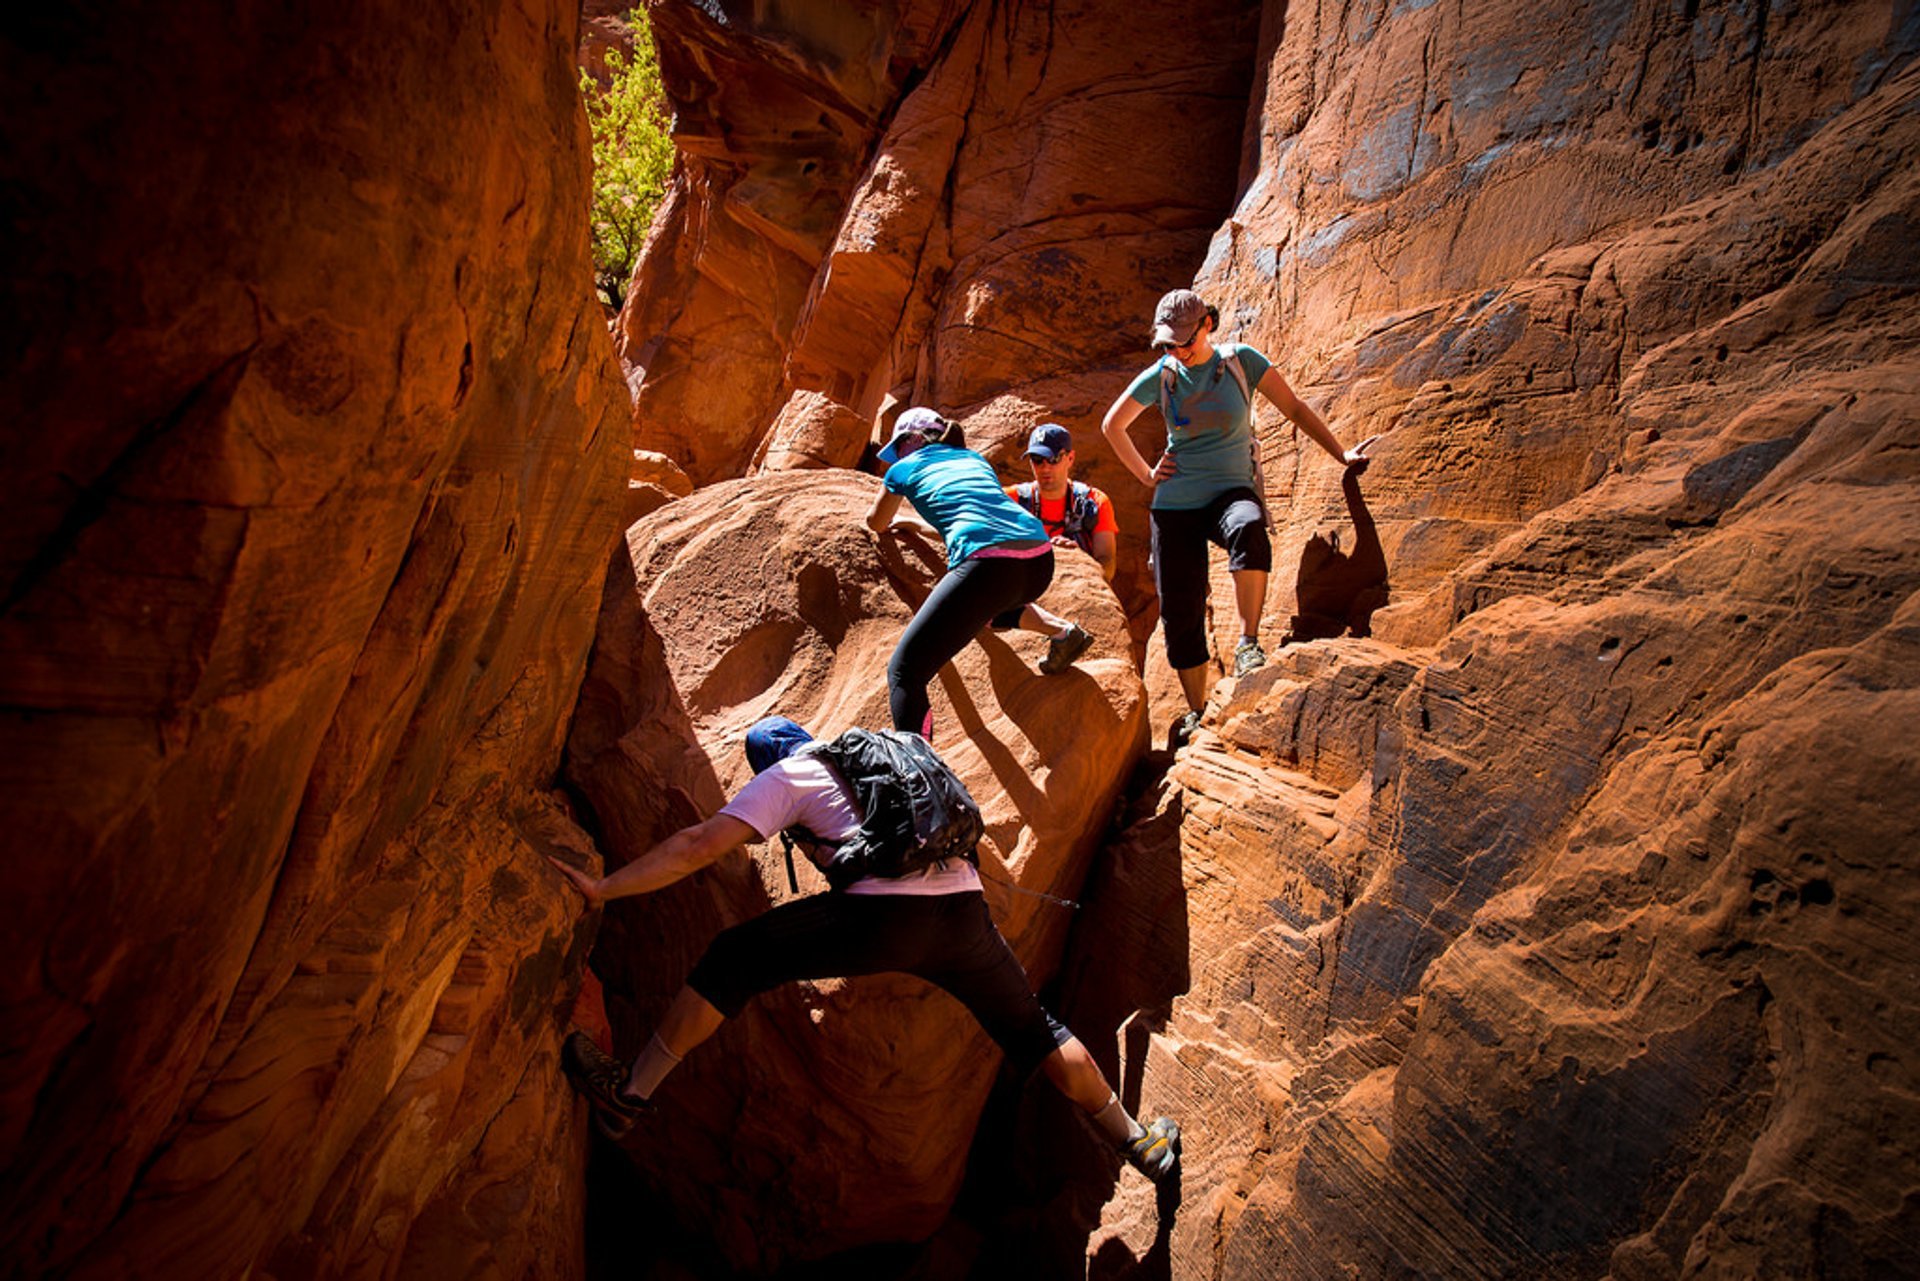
[(1074, 512)]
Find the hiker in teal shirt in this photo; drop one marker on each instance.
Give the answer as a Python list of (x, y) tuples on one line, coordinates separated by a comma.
[(999, 561), (1206, 485)]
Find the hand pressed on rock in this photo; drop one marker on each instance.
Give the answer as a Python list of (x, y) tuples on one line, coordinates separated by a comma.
[(588, 886)]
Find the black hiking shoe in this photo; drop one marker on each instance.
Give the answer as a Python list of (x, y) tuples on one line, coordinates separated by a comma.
[(1156, 1153), (1248, 657), (601, 1078), (1062, 650)]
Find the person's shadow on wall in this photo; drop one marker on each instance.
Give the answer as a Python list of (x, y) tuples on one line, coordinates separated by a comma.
[(1337, 592)]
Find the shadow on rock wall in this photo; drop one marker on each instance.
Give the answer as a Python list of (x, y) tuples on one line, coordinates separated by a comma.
[(1336, 592), (832, 1115)]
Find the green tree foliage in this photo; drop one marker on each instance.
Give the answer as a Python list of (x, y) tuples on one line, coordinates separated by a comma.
[(632, 157)]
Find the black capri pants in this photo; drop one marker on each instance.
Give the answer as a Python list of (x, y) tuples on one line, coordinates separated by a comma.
[(947, 939), (1235, 521), (978, 591)]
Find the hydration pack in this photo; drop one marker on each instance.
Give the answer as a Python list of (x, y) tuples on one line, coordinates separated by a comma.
[(914, 810), (1081, 514)]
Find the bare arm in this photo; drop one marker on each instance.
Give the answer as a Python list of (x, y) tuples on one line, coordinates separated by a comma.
[(682, 854), (1105, 550), (1275, 388), (882, 513), (1120, 416)]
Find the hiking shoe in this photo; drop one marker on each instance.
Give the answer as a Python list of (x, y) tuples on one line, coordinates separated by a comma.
[(1183, 729), (601, 1078), (1248, 657), (1156, 1153), (1062, 650)]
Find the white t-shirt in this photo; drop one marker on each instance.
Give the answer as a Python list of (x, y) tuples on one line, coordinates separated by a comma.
[(804, 791)]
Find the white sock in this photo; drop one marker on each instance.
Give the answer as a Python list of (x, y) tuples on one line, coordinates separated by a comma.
[(651, 1068), (1116, 1124)]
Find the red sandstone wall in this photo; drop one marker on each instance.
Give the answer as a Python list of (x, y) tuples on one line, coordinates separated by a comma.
[(314, 455), (1542, 909), (1562, 926)]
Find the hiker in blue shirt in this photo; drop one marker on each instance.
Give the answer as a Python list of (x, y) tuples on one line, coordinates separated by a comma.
[(1206, 485), (999, 561), (931, 922)]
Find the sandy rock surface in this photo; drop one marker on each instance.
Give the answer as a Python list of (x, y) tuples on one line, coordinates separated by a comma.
[(839, 1112)]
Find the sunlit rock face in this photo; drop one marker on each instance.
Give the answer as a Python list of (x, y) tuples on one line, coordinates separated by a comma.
[(315, 453), (1565, 924), (1543, 907), (835, 1113), (967, 206)]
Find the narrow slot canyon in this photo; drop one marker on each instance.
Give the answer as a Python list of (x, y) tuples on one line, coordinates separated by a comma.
[(1542, 907)]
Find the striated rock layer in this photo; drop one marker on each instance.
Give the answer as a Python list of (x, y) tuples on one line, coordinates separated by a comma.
[(1566, 927), (834, 1113), (968, 206), (1544, 908), (314, 453)]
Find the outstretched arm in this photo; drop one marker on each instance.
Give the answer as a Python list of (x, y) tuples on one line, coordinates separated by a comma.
[(1275, 388), (682, 854)]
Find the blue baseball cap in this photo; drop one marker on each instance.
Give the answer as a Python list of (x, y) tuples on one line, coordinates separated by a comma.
[(1049, 441), (773, 740)]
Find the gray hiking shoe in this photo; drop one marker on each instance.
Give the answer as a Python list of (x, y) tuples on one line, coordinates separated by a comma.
[(1156, 1153), (1183, 729), (1062, 650), (1248, 657), (601, 1078)]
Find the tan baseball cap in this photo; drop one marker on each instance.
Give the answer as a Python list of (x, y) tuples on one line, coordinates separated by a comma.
[(1177, 317)]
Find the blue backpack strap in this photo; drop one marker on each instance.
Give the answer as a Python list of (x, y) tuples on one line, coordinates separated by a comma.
[(1027, 494)]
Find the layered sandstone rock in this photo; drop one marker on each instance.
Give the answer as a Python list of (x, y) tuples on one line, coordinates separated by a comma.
[(1563, 927), (315, 451), (1498, 927), (838, 1112), (972, 207), (775, 112)]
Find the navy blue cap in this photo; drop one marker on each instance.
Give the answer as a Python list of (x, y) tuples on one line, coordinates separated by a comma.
[(1049, 441), (773, 740)]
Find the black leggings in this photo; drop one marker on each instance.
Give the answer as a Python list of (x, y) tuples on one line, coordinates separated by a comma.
[(947, 939), (977, 591), (1233, 520)]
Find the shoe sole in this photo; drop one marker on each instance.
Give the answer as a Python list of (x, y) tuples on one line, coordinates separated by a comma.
[(1170, 1140)]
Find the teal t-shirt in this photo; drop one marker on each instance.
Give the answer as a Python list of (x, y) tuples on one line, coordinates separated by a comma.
[(1211, 432), (958, 493)]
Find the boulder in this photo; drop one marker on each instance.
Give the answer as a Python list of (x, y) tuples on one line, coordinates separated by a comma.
[(834, 1113)]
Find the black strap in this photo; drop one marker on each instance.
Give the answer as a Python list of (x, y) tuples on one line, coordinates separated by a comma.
[(787, 835)]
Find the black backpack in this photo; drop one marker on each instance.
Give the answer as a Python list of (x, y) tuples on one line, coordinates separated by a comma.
[(914, 809)]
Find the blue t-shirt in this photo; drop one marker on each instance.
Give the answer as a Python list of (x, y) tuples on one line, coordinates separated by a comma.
[(958, 493), (1211, 431)]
